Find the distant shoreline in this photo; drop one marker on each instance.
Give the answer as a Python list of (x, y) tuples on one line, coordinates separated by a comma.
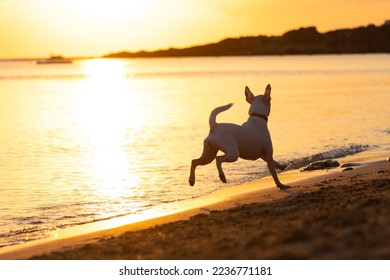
[(304, 41), (33, 60), (368, 39)]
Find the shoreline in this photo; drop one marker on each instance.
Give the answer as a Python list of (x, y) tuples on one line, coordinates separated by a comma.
[(258, 192)]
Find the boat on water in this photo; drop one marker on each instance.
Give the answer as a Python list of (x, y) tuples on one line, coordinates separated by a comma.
[(54, 60)]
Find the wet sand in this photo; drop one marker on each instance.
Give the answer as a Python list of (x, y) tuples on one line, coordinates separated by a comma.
[(333, 215)]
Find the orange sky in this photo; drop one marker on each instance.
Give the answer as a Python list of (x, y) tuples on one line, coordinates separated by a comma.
[(38, 28)]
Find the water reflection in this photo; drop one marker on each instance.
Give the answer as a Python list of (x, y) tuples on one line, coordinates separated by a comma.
[(95, 139), (101, 108)]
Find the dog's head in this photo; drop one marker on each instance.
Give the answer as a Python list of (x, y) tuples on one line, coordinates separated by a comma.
[(260, 104)]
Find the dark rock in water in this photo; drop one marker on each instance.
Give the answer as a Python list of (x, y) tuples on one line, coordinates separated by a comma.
[(352, 164), (347, 169), (332, 154), (321, 164)]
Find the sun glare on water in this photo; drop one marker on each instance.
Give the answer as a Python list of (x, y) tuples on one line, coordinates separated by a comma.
[(102, 108)]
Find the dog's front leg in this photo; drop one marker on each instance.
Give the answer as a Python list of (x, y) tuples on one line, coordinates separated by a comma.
[(272, 169)]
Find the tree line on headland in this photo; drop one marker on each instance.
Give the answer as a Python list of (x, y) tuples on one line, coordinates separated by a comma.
[(369, 39)]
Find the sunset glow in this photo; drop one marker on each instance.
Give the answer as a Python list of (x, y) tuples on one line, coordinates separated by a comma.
[(106, 11), (38, 28)]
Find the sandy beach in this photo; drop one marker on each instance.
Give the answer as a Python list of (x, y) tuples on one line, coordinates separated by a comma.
[(330, 214)]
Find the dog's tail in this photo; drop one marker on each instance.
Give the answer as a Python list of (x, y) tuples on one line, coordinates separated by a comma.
[(215, 112)]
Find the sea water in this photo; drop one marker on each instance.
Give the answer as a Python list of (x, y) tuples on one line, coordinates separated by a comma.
[(102, 138)]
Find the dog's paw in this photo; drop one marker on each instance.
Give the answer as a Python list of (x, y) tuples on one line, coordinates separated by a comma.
[(191, 181), (223, 178), (281, 167), (284, 187)]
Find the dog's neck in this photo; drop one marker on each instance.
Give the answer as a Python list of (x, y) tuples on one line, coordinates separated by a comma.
[(259, 108), (259, 116)]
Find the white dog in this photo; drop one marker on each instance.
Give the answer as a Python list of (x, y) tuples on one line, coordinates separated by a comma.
[(250, 141)]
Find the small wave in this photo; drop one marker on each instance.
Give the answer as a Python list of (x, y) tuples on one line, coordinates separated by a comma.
[(69, 206), (37, 222), (66, 217), (332, 154), (20, 231), (23, 235), (40, 229)]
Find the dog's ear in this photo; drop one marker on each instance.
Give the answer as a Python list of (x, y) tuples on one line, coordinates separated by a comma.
[(267, 94), (267, 90), (249, 95)]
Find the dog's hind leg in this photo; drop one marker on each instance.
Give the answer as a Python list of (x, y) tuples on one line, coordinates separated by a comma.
[(230, 155), (207, 157)]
